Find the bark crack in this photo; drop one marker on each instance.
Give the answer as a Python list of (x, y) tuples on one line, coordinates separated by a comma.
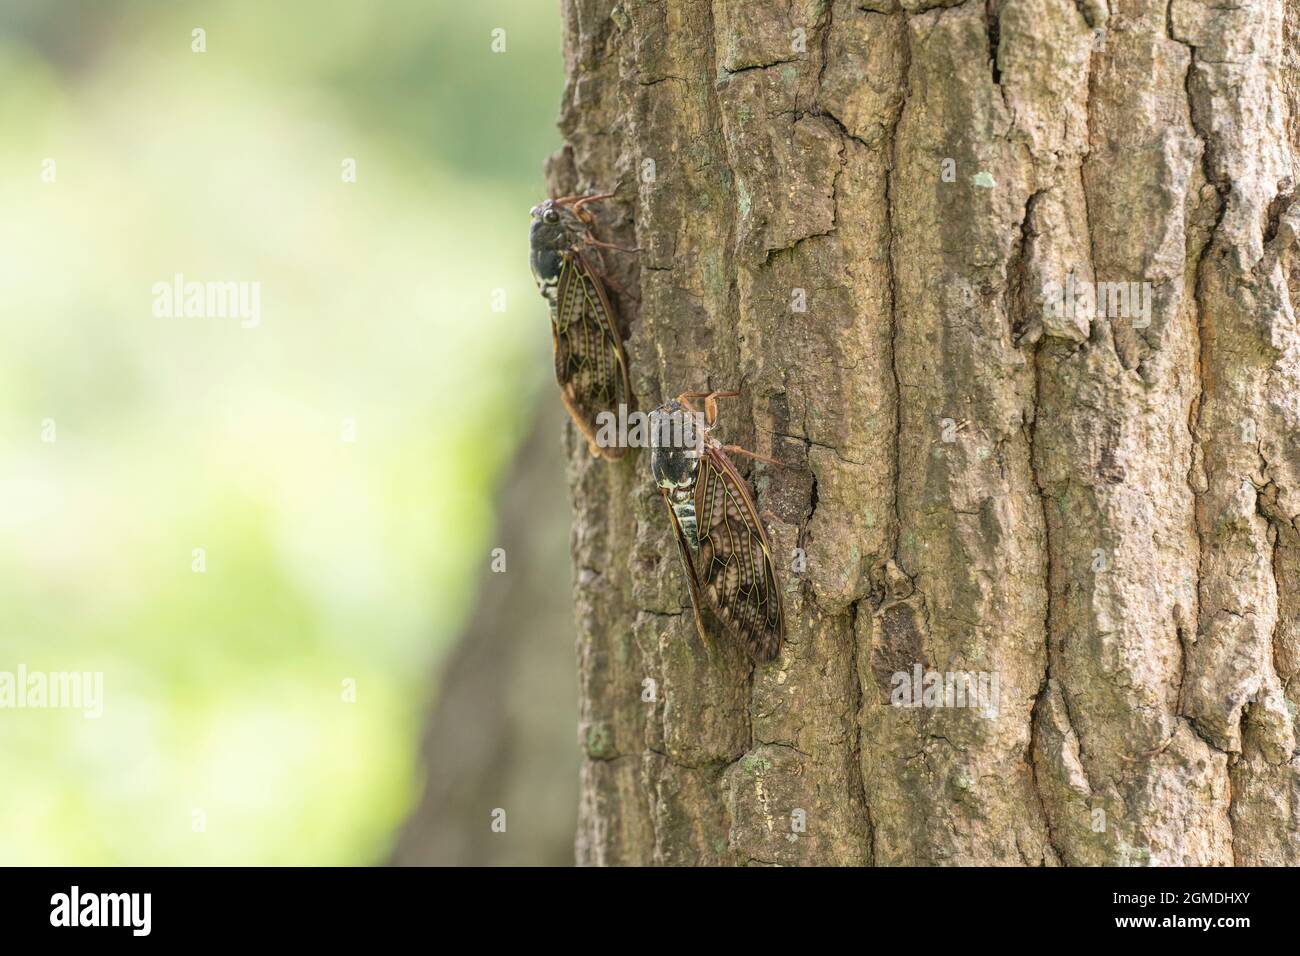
[(1202, 127), (1035, 714)]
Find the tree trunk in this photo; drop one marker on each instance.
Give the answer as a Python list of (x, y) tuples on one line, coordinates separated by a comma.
[(499, 734), (854, 212)]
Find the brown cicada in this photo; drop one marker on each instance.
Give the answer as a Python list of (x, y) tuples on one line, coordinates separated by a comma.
[(590, 366), (724, 548)]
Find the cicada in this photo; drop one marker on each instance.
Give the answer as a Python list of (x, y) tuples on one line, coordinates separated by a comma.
[(590, 366), (724, 547)]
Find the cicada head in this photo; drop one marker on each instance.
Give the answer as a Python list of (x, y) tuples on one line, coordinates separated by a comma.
[(554, 231), (676, 441)]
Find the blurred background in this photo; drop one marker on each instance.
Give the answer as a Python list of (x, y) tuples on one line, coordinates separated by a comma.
[(276, 541)]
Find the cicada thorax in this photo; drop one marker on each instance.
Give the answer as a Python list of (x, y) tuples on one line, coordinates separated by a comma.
[(554, 229), (676, 441)]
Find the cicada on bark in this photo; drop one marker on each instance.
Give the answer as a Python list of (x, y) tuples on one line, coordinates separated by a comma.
[(590, 365), (724, 547)]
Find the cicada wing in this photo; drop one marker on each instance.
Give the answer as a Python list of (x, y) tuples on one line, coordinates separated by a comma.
[(692, 579), (736, 574), (590, 366)]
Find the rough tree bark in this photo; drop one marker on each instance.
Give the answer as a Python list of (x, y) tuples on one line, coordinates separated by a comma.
[(1099, 511)]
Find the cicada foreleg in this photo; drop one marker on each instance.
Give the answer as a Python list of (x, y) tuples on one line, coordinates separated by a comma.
[(710, 403)]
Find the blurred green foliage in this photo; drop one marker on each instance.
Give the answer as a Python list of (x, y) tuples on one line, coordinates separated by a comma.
[(326, 560)]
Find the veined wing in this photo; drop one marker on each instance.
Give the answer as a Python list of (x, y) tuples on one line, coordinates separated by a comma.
[(589, 362), (736, 573)]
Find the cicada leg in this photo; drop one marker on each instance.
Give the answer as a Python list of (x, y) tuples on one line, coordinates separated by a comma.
[(736, 449), (710, 403)]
